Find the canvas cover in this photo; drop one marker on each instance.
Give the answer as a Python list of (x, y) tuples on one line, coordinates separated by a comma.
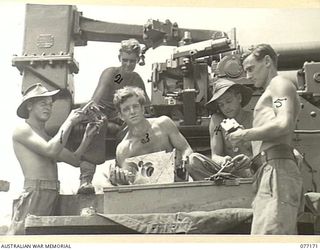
[(199, 222)]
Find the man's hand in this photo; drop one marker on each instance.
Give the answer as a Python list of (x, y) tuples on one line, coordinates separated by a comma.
[(227, 165), (92, 129), (225, 159), (76, 116), (236, 137), (181, 170), (120, 176), (93, 112), (240, 161)]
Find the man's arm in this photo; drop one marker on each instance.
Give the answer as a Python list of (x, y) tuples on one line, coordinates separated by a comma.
[(121, 154), (176, 138), (73, 158), (52, 148), (118, 175), (103, 86), (283, 94), (68, 157), (216, 140)]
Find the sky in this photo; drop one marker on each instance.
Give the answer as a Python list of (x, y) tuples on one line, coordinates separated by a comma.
[(274, 26)]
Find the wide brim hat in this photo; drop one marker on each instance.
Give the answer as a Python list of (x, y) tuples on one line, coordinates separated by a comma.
[(221, 86), (34, 91)]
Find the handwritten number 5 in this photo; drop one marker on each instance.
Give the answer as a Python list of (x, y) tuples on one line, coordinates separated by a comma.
[(279, 101)]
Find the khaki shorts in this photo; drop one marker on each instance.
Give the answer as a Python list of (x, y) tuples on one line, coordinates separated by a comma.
[(277, 203), (39, 198)]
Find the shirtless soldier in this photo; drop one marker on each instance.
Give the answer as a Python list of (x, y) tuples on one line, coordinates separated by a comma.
[(227, 102), (144, 135), (112, 79), (278, 180), (38, 154)]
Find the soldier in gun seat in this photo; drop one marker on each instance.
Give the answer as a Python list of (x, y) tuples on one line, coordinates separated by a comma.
[(144, 135), (227, 101)]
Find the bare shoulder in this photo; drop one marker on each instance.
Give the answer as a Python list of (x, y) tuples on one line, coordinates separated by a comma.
[(216, 119), (163, 121), (21, 131), (108, 70), (123, 146), (107, 73), (280, 84), (135, 74), (164, 118)]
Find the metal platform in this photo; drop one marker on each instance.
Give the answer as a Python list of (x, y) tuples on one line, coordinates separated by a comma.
[(162, 199)]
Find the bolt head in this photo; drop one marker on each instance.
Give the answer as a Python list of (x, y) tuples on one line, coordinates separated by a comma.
[(313, 114)]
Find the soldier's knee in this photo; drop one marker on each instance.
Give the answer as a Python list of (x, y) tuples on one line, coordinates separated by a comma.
[(193, 161)]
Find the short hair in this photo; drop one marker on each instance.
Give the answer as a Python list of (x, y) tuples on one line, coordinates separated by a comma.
[(130, 46), (260, 51), (121, 95)]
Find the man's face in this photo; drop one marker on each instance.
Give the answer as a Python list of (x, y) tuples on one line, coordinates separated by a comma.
[(128, 61), (131, 111), (256, 70), (229, 104), (41, 108)]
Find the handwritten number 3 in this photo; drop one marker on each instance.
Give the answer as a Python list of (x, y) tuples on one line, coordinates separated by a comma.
[(145, 140)]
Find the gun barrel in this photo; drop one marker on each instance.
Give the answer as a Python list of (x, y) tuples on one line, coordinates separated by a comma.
[(293, 55)]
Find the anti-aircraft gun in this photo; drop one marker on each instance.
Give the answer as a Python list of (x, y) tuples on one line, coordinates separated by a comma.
[(180, 86)]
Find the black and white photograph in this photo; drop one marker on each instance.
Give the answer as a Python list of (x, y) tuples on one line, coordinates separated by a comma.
[(165, 120)]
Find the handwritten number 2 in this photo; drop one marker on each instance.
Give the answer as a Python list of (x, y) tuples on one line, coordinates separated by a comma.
[(118, 79)]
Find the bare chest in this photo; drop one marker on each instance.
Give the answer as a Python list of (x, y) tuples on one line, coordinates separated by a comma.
[(263, 111), (149, 142), (34, 165)]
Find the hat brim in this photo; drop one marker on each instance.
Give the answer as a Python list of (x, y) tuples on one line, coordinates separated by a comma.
[(22, 109), (245, 92)]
